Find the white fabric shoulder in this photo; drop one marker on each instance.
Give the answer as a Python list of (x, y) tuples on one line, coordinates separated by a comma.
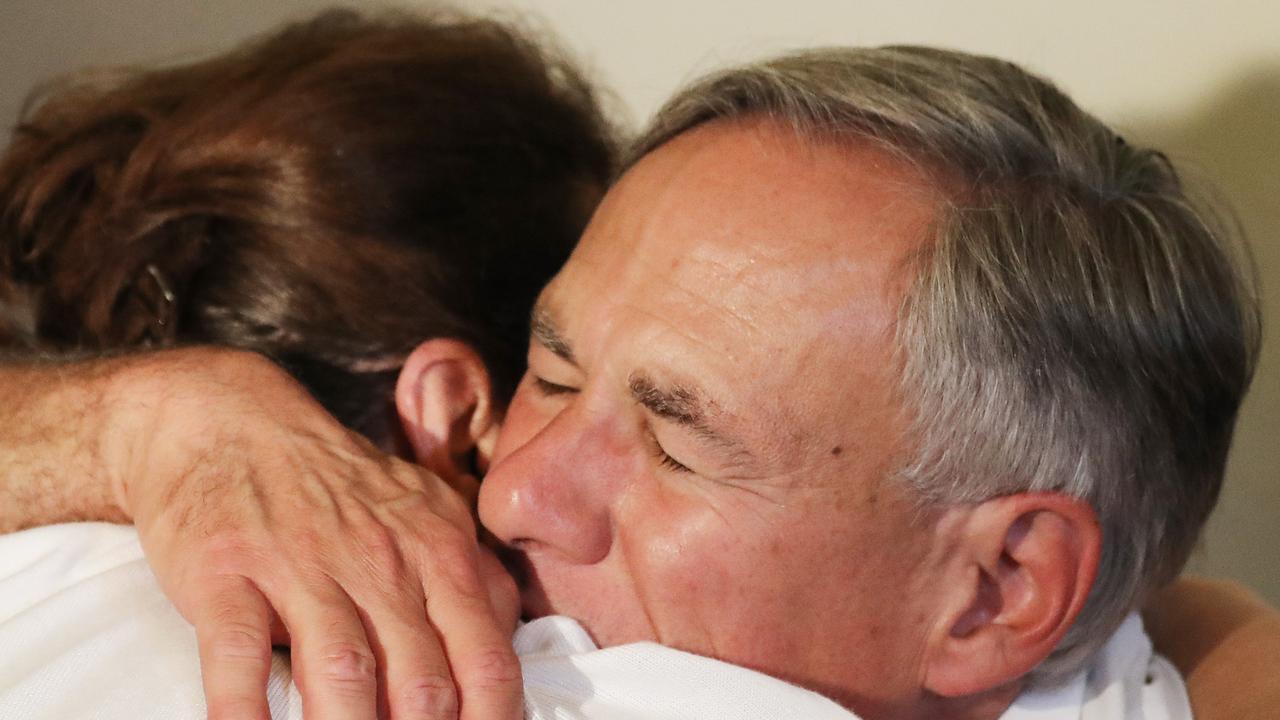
[(567, 678)]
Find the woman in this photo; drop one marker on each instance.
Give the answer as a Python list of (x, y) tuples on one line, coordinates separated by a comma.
[(327, 196)]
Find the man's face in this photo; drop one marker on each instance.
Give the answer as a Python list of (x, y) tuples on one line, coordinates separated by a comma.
[(698, 453)]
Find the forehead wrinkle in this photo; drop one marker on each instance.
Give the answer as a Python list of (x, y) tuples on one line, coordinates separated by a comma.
[(731, 322), (667, 288)]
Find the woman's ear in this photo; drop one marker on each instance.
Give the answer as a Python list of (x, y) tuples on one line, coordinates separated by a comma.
[(445, 402), (1018, 576)]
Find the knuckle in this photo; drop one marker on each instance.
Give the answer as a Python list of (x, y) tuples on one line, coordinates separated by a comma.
[(453, 545), (237, 642), (429, 696), (454, 567), (380, 549), (230, 553), (307, 546), (347, 664), (432, 496), (492, 668), (455, 508)]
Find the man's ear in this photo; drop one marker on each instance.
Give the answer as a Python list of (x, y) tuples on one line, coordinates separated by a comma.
[(445, 402), (1020, 572)]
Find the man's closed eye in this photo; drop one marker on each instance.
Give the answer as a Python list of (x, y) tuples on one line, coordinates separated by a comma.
[(548, 388)]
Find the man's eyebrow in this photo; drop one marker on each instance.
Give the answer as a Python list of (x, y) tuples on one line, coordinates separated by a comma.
[(545, 330), (682, 405)]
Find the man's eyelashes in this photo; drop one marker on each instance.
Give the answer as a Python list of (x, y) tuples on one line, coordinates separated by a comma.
[(546, 387), (669, 462), (549, 389)]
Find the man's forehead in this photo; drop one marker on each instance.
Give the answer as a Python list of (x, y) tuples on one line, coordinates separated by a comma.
[(748, 217), (752, 196)]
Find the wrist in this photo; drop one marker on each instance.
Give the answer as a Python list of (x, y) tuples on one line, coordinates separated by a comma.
[(131, 401), (156, 411)]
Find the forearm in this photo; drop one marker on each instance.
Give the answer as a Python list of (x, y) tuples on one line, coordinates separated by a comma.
[(54, 424), (69, 429), (1226, 642)]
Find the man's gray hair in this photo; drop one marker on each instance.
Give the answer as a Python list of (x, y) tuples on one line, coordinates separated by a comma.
[(1076, 324)]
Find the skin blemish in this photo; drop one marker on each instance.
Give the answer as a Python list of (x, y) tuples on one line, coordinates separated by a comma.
[(837, 450)]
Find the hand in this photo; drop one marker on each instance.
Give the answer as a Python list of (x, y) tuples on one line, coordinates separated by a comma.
[(257, 509)]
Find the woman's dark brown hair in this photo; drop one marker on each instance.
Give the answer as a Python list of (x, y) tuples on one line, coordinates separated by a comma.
[(328, 196)]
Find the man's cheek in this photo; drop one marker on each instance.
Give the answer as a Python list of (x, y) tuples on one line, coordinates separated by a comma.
[(681, 564)]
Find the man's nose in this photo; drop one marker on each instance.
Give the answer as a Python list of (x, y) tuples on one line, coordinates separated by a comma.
[(554, 494)]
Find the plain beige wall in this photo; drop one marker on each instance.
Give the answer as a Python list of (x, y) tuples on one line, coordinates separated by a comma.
[(1202, 80)]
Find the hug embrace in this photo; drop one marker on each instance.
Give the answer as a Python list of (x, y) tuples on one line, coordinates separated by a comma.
[(865, 382)]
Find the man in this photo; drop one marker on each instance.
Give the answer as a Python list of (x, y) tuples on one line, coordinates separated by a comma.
[(954, 395), (886, 372)]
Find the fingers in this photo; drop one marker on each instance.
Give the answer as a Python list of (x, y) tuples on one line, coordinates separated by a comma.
[(414, 675), (372, 636), (504, 596), (279, 633), (484, 664), (333, 663), (235, 649)]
